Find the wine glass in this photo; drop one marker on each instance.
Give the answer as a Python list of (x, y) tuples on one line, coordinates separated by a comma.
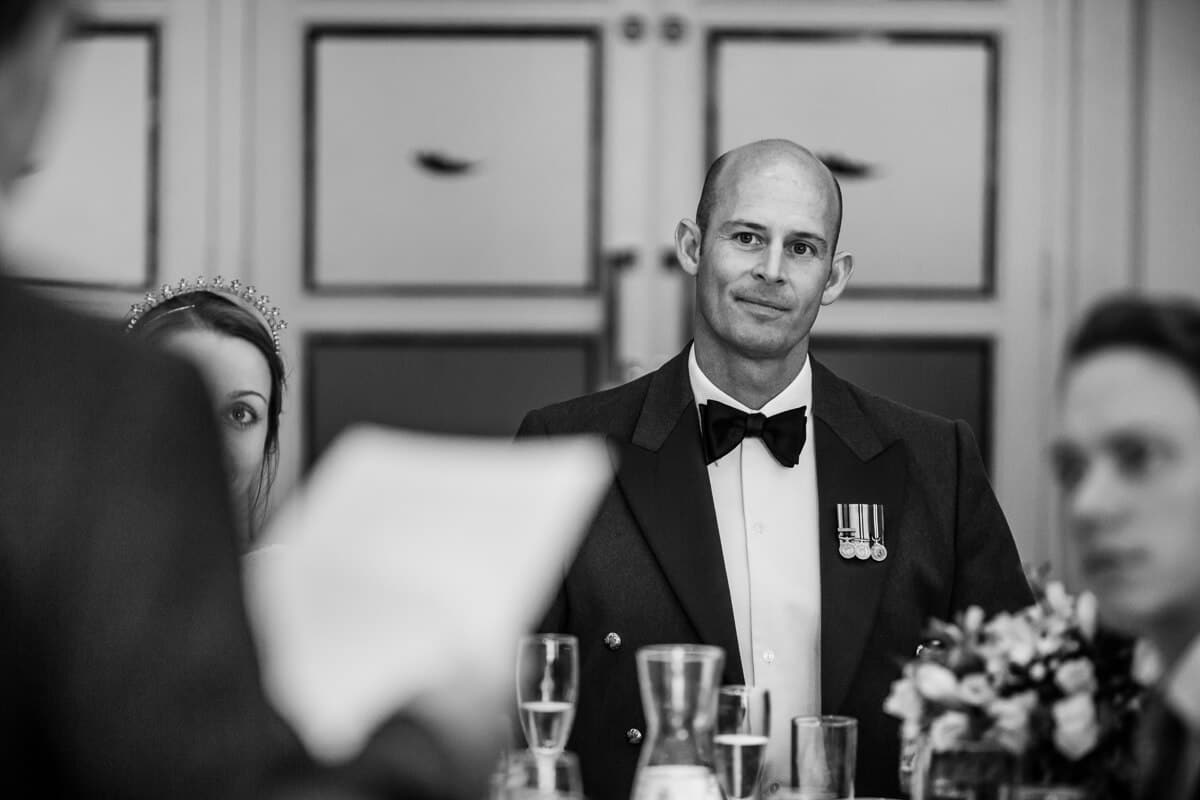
[(740, 740), (547, 684), (535, 777)]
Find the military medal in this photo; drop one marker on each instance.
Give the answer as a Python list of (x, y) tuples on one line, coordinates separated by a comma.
[(847, 533), (878, 550), (860, 531)]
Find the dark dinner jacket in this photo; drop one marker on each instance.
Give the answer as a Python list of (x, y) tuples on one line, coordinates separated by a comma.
[(651, 569), (128, 668)]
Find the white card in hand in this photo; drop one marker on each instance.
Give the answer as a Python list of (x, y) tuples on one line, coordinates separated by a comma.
[(407, 555)]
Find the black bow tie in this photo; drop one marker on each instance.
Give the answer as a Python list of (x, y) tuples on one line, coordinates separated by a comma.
[(724, 428)]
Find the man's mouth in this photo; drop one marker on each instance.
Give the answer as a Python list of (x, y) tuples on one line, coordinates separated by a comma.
[(762, 302), (1111, 561)]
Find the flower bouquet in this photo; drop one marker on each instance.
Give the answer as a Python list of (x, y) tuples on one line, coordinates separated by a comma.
[(1044, 684)]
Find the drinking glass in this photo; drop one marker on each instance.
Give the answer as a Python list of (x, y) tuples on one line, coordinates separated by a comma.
[(547, 683), (824, 751), (740, 741), (530, 776)]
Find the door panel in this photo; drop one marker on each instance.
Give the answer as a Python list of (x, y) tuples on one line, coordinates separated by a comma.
[(905, 121), (447, 383), (453, 158)]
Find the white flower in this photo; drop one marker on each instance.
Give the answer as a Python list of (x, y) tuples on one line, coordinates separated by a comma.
[(1038, 671), (1014, 636), (936, 683), (1076, 675), (904, 701), (1147, 667), (1076, 729), (976, 690), (1058, 600), (948, 730), (1012, 713), (1086, 612), (973, 619), (1050, 641), (1010, 718)]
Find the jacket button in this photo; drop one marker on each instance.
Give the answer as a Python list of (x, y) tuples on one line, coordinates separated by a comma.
[(633, 736), (613, 641)]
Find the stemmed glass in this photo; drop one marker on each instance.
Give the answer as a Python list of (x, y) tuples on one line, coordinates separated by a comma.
[(740, 741), (534, 777), (547, 684)]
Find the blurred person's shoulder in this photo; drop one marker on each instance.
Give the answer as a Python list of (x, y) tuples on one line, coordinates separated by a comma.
[(73, 388), (66, 356)]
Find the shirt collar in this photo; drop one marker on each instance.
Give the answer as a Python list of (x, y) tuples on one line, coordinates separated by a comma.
[(1182, 687), (796, 394)]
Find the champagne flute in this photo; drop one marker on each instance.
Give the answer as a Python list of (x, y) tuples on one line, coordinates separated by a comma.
[(547, 683), (535, 777), (740, 742)]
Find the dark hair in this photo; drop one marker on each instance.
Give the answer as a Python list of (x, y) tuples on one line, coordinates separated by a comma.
[(709, 194), (1167, 327), (205, 310), (16, 16)]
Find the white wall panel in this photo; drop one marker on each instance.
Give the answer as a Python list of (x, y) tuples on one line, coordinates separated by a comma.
[(86, 216), (453, 160)]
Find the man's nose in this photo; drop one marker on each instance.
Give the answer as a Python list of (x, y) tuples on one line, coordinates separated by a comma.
[(1096, 501), (770, 267)]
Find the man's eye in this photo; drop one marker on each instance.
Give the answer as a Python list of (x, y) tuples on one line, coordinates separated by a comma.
[(1068, 469), (802, 248), (1134, 458), (745, 237)]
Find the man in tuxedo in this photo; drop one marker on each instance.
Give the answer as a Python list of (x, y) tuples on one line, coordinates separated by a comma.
[(129, 669), (731, 520), (1128, 461)]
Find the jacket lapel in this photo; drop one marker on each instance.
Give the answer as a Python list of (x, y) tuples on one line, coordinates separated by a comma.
[(853, 466), (663, 475)]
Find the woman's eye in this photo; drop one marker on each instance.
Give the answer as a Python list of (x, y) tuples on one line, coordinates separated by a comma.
[(243, 415)]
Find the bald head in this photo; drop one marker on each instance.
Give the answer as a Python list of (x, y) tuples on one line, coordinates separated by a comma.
[(760, 156)]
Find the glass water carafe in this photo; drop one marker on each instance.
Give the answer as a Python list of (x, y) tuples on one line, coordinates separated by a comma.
[(679, 684)]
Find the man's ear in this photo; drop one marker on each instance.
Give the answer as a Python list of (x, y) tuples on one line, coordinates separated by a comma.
[(839, 276), (687, 245)]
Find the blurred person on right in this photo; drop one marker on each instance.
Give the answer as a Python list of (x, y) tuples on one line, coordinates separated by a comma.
[(1128, 462)]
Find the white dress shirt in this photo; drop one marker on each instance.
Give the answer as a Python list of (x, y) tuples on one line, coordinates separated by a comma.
[(767, 520)]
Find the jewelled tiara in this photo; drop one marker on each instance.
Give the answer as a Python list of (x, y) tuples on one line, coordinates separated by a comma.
[(245, 295)]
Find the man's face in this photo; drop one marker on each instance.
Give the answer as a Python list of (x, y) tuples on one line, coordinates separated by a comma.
[(1129, 465), (764, 266), (27, 71)]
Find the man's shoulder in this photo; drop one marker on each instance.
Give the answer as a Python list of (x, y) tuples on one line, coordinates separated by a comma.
[(43, 341), (611, 411), (71, 372)]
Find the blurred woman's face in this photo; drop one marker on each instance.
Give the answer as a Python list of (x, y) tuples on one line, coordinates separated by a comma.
[(1129, 464), (239, 382)]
